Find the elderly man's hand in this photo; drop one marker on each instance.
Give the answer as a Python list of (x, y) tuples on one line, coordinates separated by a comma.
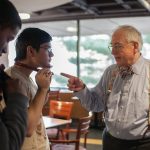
[(74, 83)]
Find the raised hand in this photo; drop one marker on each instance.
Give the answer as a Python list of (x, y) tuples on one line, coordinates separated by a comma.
[(43, 78), (74, 83)]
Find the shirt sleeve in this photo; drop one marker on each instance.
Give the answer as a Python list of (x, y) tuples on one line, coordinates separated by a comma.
[(13, 122), (94, 99)]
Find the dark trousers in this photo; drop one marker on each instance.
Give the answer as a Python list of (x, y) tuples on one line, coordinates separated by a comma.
[(112, 143)]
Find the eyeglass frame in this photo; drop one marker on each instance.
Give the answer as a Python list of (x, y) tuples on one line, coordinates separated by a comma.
[(117, 46)]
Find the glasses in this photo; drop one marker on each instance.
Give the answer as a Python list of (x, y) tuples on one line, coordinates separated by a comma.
[(47, 48), (116, 47)]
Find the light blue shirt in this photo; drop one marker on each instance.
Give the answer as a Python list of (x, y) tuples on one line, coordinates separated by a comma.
[(126, 107)]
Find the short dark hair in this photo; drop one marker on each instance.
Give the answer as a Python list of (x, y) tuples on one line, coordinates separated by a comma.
[(9, 16), (30, 37)]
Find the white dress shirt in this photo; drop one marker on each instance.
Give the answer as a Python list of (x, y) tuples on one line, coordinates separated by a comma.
[(126, 106)]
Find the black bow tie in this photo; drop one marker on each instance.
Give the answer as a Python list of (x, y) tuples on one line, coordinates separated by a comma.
[(125, 71)]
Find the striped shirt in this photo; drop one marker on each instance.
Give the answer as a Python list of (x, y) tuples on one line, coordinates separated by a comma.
[(126, 105)]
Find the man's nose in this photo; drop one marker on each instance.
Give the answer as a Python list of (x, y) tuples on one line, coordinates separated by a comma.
[(5, 49), (112, 51), (51, 54)]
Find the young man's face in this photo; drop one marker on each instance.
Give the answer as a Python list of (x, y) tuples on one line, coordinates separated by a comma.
[(44, 55), (6, 35)]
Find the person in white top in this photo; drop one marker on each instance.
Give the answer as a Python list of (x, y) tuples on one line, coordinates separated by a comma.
[(122, 93)]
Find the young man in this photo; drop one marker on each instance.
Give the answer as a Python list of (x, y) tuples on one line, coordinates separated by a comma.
[(33, 50), (122, 93), (13, 103)]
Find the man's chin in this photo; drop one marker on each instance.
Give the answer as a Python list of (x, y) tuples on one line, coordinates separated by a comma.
[(47, 66), (120, 65)]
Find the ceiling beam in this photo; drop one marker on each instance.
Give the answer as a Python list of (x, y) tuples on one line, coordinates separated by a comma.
[(123, 4), (84, 6), (119, 14), (113, 4)]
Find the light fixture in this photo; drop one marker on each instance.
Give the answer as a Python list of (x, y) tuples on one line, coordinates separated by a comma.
[(71, 29), (24, 16)]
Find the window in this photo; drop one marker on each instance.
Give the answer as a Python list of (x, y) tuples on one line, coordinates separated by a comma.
[(94, 55)]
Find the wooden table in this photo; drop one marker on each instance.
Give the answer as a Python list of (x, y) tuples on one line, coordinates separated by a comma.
[(53, 122)]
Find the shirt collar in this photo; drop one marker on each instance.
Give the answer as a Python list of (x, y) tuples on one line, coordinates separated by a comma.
[(137, 67)]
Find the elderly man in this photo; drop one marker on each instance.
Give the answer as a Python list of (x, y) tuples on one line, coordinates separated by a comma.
[(122, 93)]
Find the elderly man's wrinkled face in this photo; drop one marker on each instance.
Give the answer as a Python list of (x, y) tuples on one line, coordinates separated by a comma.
[(122, 50), (6, 35)]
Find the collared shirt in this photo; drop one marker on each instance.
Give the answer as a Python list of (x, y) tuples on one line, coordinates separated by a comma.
[(126, 105)]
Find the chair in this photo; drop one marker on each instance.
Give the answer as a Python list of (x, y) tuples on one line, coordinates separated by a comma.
[(52, 95), (82, 129), (62, 110)]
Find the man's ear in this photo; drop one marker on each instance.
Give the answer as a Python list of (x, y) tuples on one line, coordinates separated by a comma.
[(30, 51), (136, 47)]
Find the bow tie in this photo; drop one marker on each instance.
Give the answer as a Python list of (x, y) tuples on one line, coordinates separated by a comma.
[(125, 71)]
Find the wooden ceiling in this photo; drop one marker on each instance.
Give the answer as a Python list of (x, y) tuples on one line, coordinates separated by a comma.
[(97, 16), (91, 9)]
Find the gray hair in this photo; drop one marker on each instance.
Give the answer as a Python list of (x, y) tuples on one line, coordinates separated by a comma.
[(132, 34)]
